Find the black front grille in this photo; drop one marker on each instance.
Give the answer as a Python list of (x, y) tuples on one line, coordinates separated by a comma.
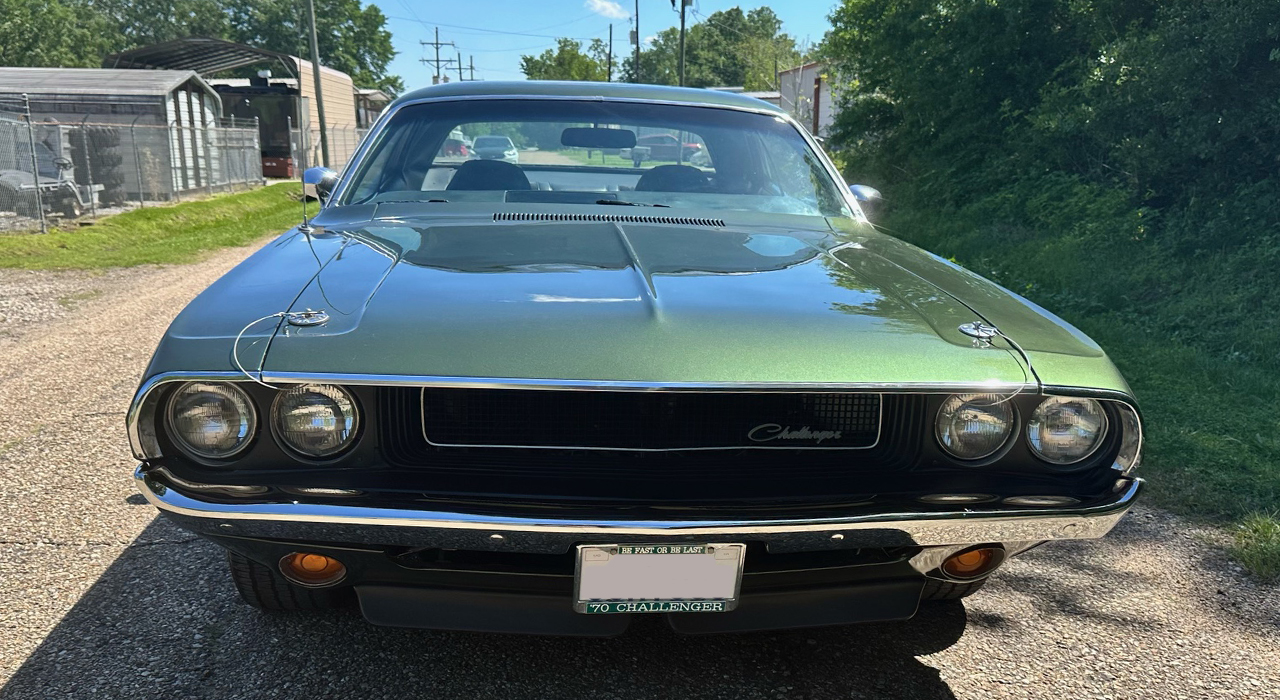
[(676, 476), (649, 420)]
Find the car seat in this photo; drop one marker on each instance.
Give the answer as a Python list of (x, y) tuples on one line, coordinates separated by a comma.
[(489, 175), (673, 178)]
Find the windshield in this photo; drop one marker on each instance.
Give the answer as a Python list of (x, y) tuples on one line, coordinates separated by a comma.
[(493, 142), (675, 156)]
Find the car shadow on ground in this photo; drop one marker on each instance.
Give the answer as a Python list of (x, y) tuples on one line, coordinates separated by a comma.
[(163, 621)]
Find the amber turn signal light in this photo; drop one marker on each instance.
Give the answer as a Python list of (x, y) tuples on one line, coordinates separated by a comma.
[(312, 570), (973, 563)]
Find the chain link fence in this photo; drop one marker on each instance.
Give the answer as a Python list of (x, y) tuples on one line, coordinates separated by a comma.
[(57, 170), (344, 140)]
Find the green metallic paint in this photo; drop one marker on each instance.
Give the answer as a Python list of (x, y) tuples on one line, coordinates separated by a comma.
[(1060, 353), (766, 299)]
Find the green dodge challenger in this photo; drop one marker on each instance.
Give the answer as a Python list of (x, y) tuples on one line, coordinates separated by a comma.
[(546, 394)]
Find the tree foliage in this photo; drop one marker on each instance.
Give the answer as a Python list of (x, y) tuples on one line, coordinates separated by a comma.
[(353, 38), (1161, 97), (568, 61), (53, 33), (1117, 154), (728, 48)]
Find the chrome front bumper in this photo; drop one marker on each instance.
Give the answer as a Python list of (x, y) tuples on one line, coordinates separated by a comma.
[(327, 522)]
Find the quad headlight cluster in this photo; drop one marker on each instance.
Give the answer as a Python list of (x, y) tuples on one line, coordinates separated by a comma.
[(1063, 430), (218, 420)]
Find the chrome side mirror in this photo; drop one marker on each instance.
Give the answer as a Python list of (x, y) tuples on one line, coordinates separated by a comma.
[(869, 198), (319, 183)]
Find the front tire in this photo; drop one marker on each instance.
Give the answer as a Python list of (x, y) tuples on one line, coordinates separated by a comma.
[(935, 589), (70, 208), (264, 588)]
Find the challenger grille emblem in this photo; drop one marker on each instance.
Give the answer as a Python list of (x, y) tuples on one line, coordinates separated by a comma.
[(772, 431)]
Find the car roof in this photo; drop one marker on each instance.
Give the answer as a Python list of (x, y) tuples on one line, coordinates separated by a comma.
[(618, 91)]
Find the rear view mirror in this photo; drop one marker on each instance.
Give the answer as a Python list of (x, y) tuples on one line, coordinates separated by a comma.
[(586, 137)]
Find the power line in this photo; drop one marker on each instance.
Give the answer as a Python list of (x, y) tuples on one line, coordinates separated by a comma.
[(516, 48), (497, 31), (438, 63)]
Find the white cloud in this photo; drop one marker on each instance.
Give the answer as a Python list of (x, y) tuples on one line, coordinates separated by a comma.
[(608, 8)]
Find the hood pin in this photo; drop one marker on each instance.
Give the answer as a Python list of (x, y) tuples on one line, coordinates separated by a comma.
[(307, 318), (979, 331)]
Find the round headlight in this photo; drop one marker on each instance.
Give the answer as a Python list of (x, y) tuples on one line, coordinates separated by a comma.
[(1066, 429), (316, 420), (213, 420), (973, 426)]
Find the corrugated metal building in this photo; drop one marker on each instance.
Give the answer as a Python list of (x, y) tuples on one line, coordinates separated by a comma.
[(167, 120), (154, 97), (209, 56)]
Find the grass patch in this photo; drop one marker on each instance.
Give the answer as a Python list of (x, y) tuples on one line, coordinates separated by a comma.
[(156, 235), (1212, 448), (1257, 545)]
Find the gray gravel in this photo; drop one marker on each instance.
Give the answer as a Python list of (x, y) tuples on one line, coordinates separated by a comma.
[(99, 598)]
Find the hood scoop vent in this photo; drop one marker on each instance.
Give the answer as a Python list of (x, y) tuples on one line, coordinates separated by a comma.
[(613, 218)]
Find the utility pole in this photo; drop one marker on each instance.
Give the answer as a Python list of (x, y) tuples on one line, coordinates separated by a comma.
[(683, 4), (635, 39), (608, 58), (437, 63), (472, 60), (459, 66), (315, 73)]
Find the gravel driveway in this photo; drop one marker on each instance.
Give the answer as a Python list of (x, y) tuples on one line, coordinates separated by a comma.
[(99, 598)]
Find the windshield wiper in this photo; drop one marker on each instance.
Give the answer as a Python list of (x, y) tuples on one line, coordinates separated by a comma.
[(622, 203)]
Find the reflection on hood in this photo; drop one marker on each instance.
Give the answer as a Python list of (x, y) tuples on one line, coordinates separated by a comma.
[(555, 246)]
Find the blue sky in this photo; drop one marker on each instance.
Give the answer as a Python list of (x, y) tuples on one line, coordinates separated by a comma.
[(498, 32)]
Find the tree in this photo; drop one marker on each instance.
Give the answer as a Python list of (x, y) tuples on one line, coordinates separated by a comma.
[(728, 48), (568, 62), (53, 33), (352, 38), (78, 33), (143, 22)]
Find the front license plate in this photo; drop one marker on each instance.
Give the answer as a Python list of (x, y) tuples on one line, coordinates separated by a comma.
[(624, 578)]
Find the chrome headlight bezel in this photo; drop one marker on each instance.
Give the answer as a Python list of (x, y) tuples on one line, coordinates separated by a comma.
[(248, 420), (1000, 407), (349, 428), (1038, 416)]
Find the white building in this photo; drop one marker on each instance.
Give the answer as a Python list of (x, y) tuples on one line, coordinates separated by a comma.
[(806, 95)]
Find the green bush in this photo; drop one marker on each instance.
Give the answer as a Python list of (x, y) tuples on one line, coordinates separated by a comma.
[(1117, 161)]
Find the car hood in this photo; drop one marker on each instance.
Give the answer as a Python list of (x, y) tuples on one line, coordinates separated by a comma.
[(622, 301)]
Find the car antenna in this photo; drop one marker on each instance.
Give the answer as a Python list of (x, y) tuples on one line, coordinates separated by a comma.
[(306, 226)]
